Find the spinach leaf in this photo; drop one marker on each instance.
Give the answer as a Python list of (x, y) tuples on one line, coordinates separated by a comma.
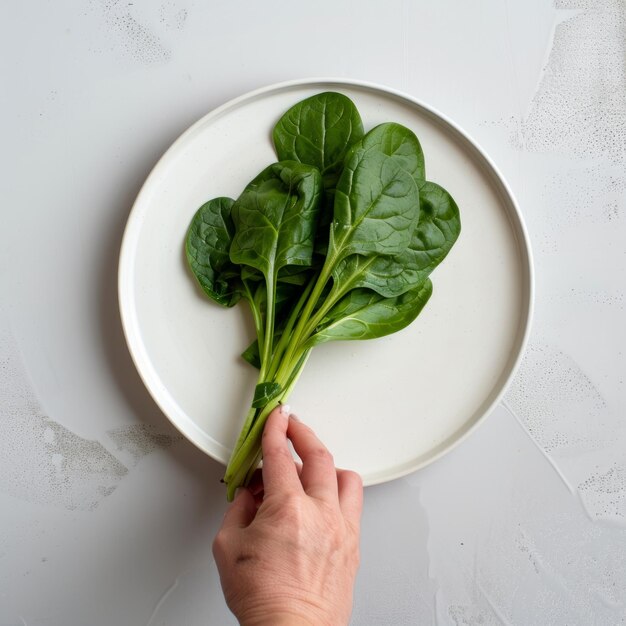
[(376, 207), (264, 392), (319, 131), (288, 274), (275, 218), (252, 354), (364, 314), (376, 202), (294, 274), (399, 143), (207, 250), (438, 228)]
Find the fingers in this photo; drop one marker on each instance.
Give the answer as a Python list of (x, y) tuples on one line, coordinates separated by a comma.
[(350, 488), (241, 511), (279, 468), (318, 475)]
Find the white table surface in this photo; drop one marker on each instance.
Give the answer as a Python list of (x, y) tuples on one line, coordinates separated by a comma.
[(106, 513)]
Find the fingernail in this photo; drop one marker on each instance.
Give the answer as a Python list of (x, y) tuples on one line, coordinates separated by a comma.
[(295, 418), (285, 409)]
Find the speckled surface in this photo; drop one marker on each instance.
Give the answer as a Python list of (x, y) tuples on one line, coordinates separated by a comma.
[(106, 512)]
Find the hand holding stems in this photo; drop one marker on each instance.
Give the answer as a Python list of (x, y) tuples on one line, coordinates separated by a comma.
[(288, 549)]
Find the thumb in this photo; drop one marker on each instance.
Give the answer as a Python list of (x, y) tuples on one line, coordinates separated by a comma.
[(242, 510)]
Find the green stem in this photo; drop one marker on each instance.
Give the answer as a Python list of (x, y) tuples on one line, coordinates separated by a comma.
[(266, 354), (288, 366), (244, 461), (256, 316), (336, 293), (329, 303), (296, 338), (297, 373), (253, 467), (335, 255), (245, 429), (286, 336), (267, 375)]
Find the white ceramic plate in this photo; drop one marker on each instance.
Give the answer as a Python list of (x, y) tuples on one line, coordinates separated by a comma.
[(384, 407)]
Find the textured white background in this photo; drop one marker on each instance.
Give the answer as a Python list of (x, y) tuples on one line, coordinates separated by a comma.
[(106, 515)]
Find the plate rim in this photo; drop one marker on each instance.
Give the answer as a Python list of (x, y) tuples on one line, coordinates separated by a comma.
[(126, 262)]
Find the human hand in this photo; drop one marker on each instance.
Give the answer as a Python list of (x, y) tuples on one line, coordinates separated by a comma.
[(292, 556)]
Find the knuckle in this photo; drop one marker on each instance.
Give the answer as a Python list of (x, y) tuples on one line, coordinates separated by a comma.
[(219, 543), (275, 449), (337, 542), (292, 502), (354, 478), (321, 454), (292, 510), (277, 454)]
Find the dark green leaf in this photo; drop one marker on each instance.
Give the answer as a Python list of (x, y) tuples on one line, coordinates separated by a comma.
[(399, 143), (289, 274), (206, 247), (252, 355), (275, 218), (376, 202), (294, 275), (264, 392), (364, 314), (319, 131), (438, 228)]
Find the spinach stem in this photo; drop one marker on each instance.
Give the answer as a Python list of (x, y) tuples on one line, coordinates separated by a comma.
[(245, 429), (256, 316), (330, 301), (244, 460), (266, 355), (296, 338), (336, 293), (253, 466), (285, 337)]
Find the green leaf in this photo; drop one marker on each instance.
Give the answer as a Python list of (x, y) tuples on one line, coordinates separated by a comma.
[(364, 314), (376, 201), (399, 143), (252, 354), (437, 231), (207, 250), (289, 274), (294, 275), (264, 392), (319, 131), (438, 228), (275, 218)]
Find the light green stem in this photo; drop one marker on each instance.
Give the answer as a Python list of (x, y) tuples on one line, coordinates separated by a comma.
[(256, 316), (266, 354), (244, 461), (286, 336), (245, 429)]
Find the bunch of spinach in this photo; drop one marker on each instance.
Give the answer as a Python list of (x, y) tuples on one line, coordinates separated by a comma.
[(334, 241)]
